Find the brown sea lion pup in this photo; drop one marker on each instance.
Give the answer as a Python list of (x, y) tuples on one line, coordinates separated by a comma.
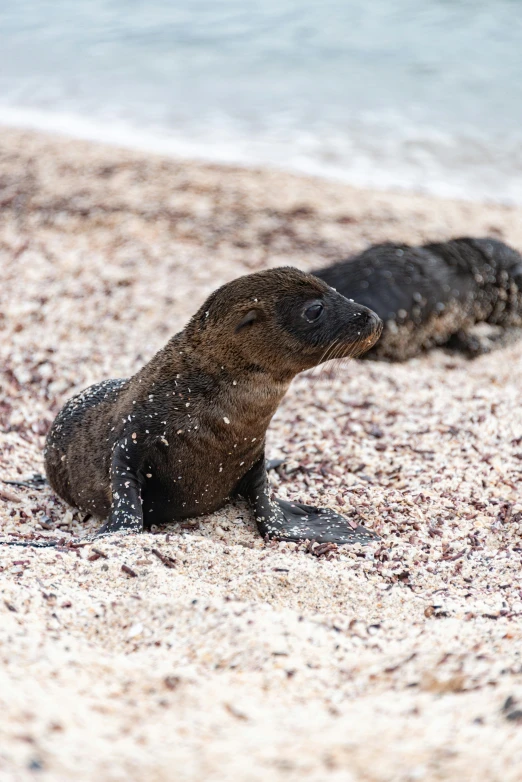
[(435, 294), (187, 432)]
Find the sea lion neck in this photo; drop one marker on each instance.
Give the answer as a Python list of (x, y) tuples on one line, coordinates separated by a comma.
[(193, 352), (235, 383), (184, 368)]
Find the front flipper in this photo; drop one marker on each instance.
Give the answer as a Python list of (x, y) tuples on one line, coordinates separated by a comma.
[(305, 522), (126, 514), (293, 521)]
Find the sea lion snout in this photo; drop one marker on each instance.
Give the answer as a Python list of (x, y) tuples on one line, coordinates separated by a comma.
[(365, 318), (371, 322), (358, 326), (364, 330), (372, 331)]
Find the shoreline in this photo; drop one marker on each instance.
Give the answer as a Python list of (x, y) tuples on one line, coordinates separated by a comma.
[(246, 661), (266, 152)]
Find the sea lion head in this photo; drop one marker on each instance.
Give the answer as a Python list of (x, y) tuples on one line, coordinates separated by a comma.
[(281, 321), (503, 279), (502, 261)]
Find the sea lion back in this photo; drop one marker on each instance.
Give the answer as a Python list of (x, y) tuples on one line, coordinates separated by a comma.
[(77, 441)]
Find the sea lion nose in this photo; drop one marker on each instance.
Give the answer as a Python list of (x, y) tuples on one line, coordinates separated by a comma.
[(367, 319), (375, 322)]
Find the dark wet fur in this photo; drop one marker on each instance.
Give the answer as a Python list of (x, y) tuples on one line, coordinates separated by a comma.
[(187, 432), (433, 295)]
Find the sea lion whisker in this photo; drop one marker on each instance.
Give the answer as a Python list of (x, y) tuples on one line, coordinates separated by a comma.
[(332, 351), (358, 348), (339, 361), (329, 350), (319, 369)]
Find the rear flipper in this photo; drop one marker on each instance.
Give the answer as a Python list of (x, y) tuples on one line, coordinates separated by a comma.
[(35, 481), (273, 464), (473, 343), (294, 521)]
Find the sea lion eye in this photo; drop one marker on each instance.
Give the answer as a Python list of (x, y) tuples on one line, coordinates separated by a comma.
[(314, 311)]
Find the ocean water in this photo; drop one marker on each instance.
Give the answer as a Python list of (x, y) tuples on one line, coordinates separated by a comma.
[(423, 94)]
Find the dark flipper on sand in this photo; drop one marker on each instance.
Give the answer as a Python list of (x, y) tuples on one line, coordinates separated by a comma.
[(126, 510), (293, 521), (36, 481), (472, 344)]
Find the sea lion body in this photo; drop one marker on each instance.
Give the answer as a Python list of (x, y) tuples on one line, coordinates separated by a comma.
[(433, 295), (204, 438), (187, 432)]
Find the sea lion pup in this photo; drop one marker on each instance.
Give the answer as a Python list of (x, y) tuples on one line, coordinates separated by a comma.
[(187, 432), (433, 295)]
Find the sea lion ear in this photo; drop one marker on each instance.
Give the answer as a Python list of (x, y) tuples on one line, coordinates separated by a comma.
[(247, 320)]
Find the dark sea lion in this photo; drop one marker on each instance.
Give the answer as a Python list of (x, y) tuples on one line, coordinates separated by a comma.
[(187, 432), (434, 295)]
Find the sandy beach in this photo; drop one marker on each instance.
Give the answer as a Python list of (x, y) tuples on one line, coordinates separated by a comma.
[(242, 661)]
